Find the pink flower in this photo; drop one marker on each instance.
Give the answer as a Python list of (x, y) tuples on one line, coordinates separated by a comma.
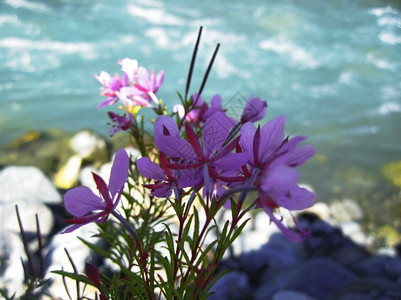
[(111, 86), (87, 207), (143, 89)]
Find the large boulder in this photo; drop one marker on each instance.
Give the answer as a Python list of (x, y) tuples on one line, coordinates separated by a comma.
[(30, 190), (27, 184)]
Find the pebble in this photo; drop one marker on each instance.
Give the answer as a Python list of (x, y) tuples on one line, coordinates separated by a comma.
[(86, 143)]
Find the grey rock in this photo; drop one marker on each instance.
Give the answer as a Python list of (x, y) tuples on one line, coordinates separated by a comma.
[(317, 277), (349, 254), (368, 289), (380, 266), (232, 286), (289, 295)]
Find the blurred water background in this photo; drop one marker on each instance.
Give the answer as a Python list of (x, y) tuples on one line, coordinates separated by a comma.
[(333, 68)]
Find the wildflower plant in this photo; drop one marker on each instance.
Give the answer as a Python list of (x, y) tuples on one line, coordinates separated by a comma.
[(158, 213)]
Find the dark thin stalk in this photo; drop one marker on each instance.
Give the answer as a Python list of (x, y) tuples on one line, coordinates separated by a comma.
[(65, 287), (192, 65), (25, 242), (209, 68), (75, 270), (26, 276), (39, 237)]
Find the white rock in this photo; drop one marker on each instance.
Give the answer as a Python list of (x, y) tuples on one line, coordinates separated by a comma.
[(27, 211), (29, 184), (86, 178), (85, 143), (354, 231), (56, 258), (346, 210), (133, 152), (12, 250)]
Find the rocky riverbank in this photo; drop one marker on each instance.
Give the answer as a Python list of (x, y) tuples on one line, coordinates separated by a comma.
[(340, 259)]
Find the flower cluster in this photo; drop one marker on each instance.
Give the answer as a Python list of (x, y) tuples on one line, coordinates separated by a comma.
[(196, 154), (135, 89), (209, 157)]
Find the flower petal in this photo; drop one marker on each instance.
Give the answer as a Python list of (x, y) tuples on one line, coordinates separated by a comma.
[(119, 172), (297, 198), (150, 169), (81, 201), (175, 147), (215, 132), (278, 178), (255, 110), (300, 155), (162, 192), (271, 137), (129, 67), (246, 140), (232, 161), (289, 234), (166, 126)]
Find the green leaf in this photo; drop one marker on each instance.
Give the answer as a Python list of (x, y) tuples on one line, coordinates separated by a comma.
[(238, 231), (204, 253), (74, 276)]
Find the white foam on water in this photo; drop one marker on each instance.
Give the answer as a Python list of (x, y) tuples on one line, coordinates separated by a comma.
[(31, 5), (380, 11), (381, 63), (297, 54), (20, 55), (154, 15), (390, 38), (390, 21), (9, 19), (346, 77), (389, 107), (46, 45), (163, 38)]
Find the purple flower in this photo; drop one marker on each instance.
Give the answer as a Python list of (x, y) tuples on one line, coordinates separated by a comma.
[(120, 122), (279, 189), (203, 156), (164, 178), (87, 207), (276, 158), (255, 110)]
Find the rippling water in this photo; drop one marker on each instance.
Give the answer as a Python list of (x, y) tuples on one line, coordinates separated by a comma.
[(332, 67)]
